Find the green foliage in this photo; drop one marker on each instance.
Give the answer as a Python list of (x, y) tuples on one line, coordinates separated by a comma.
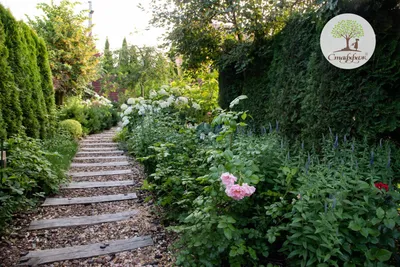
[(62, 148), (93, 116), (10, 102), (72, 126), (290, 81), (200, 28), (310, 208), (71, 47), (108, 61), (33, 170), (26, 87), (201, 85)]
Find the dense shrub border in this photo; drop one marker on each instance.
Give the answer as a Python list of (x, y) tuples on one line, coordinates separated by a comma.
[(308, 208), (287, 78), (34, 169), (26, 88), (94, 115)]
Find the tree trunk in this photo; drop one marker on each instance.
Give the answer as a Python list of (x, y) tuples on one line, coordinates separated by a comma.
[(142, 89), (59, 98), (347, 43)]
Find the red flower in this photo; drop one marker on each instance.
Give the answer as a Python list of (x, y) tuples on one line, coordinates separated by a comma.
[(381, 185)]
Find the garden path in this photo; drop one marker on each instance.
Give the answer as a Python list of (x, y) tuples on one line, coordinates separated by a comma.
[(100, 218)]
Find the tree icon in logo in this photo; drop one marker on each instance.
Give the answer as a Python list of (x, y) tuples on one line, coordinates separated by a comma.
[(348, 29)]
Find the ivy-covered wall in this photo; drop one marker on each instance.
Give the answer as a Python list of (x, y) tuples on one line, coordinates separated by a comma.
[(26, 89), (291, 82)]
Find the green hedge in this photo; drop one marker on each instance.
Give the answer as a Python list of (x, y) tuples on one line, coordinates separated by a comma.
[(27, 102), (291, 82)]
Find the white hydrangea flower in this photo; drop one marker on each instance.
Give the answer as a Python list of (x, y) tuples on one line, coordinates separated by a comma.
[(141, 111), (153, 94), (124, 106), (128, 111), (181, 99), (162, 92), (131, 101), (171, 99), (164, 104), (196, 106), (142, 102), (124, 123)]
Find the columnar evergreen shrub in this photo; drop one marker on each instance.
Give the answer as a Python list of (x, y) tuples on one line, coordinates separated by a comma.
[(11, 110), (26, 87), (46, 83)]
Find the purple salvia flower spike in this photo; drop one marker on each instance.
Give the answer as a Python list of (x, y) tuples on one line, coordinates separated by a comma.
[(371, 162)]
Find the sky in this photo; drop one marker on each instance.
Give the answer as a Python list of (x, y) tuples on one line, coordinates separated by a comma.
[(114, 19)]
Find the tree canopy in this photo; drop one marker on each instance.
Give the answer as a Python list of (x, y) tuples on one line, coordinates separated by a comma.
[(199, 29), (72, 50)]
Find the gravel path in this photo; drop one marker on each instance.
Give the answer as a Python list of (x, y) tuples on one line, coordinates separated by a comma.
[(18, 241)]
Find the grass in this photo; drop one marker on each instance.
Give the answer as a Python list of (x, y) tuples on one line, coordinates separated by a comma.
[(62, 148)]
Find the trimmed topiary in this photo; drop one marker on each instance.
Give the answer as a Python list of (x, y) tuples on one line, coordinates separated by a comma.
[(73, 127)]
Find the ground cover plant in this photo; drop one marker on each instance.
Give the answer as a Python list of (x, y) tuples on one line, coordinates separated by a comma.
[(240, 196)]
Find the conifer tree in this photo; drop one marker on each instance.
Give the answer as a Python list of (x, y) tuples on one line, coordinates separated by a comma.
[(123, 62), (46, 84), (39, 107), (10, 103), (108, 61)]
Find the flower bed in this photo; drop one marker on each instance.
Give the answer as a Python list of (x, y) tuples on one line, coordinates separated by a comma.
[(242, 197)]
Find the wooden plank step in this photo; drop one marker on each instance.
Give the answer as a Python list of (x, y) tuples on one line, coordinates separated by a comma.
[(34, 258), (81, 220), (102, 164), (84, 149), (97, 140), (101, 158), (98, 144), (99, 173), (81, 185), (101, 152), (87, 200)]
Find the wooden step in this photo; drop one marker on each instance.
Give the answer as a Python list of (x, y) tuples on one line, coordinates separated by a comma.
[(97, 140), (81, 185), (100, 173), (84, 149), (82, 220), (100, 152), (102, 164), (87, 251), (97, 144), (87, 200), (101, 158)]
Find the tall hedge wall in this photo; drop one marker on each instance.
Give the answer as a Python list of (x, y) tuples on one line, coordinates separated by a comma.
[(290, 81), (27, 96)]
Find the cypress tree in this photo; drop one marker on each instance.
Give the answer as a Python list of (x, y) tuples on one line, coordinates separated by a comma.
[(10, 104), (46, 84), (39, 107), (26, 82), (123, 57), (108, 63)]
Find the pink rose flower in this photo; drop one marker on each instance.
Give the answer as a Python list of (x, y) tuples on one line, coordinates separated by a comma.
[(249, 190), (236, 192), (228, 179)]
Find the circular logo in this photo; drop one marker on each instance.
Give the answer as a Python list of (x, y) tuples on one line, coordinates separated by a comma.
[(348, 41)]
